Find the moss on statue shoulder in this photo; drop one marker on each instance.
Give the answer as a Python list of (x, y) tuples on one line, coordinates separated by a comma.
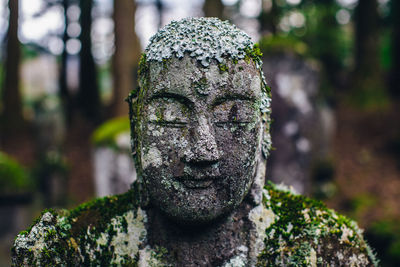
[(81, 235), (306, 232), (99, 212)]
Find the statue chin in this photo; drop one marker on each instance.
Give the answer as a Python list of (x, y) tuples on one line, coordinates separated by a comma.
[(199, 206), (187, 215)]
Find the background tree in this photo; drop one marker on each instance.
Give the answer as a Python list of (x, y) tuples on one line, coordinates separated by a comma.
[(11, 96), (65, 96), (160, 9), (368, 82), (269, 17), (326, 42), (88, 95), (213, 8), (395, 72), (127, 55)]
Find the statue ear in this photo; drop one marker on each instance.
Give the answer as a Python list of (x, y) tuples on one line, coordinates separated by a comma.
[(133, 117), (255, 194), (132, 99)]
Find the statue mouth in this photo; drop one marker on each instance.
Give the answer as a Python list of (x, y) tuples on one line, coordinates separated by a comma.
[(197, 183)]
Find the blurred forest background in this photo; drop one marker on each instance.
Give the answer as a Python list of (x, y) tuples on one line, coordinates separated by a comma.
[(333, 65)]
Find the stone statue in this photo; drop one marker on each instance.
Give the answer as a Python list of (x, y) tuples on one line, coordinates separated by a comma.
[(200, 139)]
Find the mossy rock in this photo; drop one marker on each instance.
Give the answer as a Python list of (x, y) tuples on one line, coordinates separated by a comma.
[(111, 232)]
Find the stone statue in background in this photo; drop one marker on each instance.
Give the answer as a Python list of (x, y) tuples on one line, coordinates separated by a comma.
[(200, 136)]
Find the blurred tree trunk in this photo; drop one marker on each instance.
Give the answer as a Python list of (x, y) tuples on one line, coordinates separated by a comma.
[(64, 93), (213, 8), (327, 40), (368, 84), (366, 33), (88, 95), (395, 72), (160, 10), (127, 55), (15, 133), (12, 106), (269, 17)]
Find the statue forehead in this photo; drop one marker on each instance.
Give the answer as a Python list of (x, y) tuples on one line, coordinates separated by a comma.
[(185, 76)]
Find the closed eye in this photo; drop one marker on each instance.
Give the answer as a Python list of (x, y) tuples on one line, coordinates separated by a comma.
[(234, 112), (167, 112)]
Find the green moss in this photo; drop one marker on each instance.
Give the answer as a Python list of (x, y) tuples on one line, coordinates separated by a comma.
[(222, 68), (200, 85), (99, 212), (143, 69), (302, 226), (166, 63), (66, 237), (303, 230), (253, 53)]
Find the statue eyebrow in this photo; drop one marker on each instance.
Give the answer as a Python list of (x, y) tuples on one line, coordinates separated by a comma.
[(180, 98), (219, 100)]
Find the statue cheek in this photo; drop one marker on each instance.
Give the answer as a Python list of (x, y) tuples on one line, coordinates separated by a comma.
[(151, 157)]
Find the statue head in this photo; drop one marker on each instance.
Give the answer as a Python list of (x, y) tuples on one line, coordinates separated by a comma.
[(199, 120)]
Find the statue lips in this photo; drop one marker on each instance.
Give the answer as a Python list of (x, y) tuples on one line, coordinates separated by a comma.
[(197, 175), (197, 182)]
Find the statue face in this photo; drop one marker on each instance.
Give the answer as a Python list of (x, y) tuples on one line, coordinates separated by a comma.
[(200, 134)]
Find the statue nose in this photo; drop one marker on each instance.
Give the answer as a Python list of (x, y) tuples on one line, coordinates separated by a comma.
[(204, 146)]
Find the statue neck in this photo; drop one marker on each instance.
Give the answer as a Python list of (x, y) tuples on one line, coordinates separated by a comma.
[(204, 245)]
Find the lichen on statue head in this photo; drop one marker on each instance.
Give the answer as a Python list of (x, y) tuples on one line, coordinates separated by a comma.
[(200, 119)]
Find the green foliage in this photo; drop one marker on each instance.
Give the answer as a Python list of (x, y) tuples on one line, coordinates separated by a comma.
[(282, 44), (386, 50), (13, 177), (106, 134), (29, 52), (369, 94), (362, 202), (322, 175), (384, 235)]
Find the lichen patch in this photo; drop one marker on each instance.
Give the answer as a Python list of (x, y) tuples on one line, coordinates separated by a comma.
[(201, 38)]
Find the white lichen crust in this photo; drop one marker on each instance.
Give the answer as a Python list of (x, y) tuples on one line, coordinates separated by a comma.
[(291, 230), (202, 38)]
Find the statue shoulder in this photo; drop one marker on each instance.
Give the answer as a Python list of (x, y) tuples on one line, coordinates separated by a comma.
[(304, 232), (87, 235)]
